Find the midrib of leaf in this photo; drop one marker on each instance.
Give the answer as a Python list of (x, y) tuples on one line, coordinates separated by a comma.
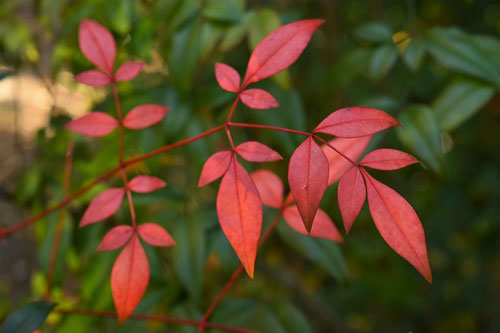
[(352, 192), (350, 121), (99, 49), (234, 161), (132, 259)]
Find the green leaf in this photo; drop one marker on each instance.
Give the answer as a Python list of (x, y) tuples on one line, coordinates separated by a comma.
[(292, 319), (374, 32), (382, 60), (348, 68), (414, 53), (27, 318), (237, 32), (223, 10)]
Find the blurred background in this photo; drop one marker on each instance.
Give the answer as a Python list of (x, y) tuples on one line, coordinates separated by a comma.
[(433, 64)]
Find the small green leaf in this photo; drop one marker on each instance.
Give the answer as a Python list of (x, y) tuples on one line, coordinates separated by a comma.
[(382, 60), (414, 53), (223, 10), (27, 318), (236, 33), (374, 32)]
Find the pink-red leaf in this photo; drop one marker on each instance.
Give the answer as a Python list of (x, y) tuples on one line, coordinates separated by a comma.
[(145, 115), (93, 78), (398, 224), (351, 195), (239, 209), (215, 167), (308, 178), (97, 44), (128, 70), (254, 151), (279, 50), (227, 77), (94, 124), (270, 187), (258, 99), (103, 206), (387, 159), (323, 226), (145, 184), (356, 122), (116, 238), (129, 278), (155, 235)]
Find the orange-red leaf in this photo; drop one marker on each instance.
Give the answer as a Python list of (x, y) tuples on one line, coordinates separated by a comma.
[(145, 115), (279, 50), (93, 78), (227, 77), (356, 122), (323, 226), (215, 167), (387, 159), (94, 124), (128, 70), (103, 206), (398, 224), (258, 99), (351, 195), (97, 44), (308, 178), (145, 184), (155, 235), (116, 238), (270, 187), (129, 278), (254, 151), (239, 209)]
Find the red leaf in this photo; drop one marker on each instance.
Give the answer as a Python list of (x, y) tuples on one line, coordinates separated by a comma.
[(116, 238), (308, 178), (129, 278), (215, 167), (398, 224), (240, 213), (323, 226), (227, 77), (145, 184), (145, 115), (155, 235), (94, 124), (97, 44), (93, 78), (128, 70), (279, 50), (103, 206), (352, 148), (356, 122), (254, 151), (258, 99), (351, 195), (270, 187), (387, 159)]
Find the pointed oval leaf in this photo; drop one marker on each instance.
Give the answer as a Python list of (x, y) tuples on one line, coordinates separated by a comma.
[(356, 122), (351, 196), (94, 124), (128, 70), (145, 184), (215, 167), (129, 278), (254, 151), (239, 209), (323, 226), (258, 99), (145, 115), (227, 77), (270, 187), (116, 238), (308, 178), (155, 235), (97, 44), (103, 206), (387, 159), (93, 78), (27, 318), (398, 224), (279, 50)]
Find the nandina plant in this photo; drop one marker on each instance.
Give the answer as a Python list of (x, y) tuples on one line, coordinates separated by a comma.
[(315, 164)]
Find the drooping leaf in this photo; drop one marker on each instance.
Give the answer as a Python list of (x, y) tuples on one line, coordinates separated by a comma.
[(258, 99), (414, 53), (145, 115), (227, 77), (94, 124), (116, 238), (254, 151), (103, 206), (270, 187), (128, 70), (374, 32), (387, 159), (308, 179), (155, 235), (129, 278), (382, 60), (97, 44), (279, 50), (398, 224), (215, 167), (351, 196), (323, 226), (145, 184), (27, 318), (239, 209), (93, 78), (356, 122)]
